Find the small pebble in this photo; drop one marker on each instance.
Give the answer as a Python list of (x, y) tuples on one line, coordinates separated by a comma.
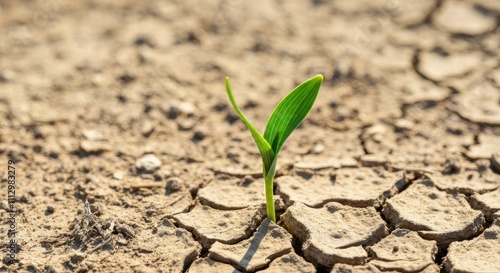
[(403, 124), (318, 148), (186, 125), (118, 175), (149, 163), (178, 108), (50, 209), (174, 184), (147, 128)]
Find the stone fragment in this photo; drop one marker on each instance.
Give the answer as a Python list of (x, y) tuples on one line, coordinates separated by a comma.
[(463, 18), (480, 254), (290, 263), (334, 233), (181, 108), (438, 67), (403, 124), (210, 225), (148, 163), (232, 194), (207, 265), (479, 105), (434, 214), (173, 184), (186, 124), (353, 186), (404, 251), (118, 175), (488, 203), (269, 242), (318, 148), (90, 146), (147, 129)]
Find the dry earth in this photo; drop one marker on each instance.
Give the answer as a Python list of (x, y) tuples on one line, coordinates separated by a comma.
[(121, 103)]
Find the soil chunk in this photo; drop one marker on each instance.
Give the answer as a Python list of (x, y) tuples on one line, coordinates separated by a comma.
[(233, 194), (416, 89), (488, 203), (210, 225), (436, 215), (358, 187), (404, 251), (480, 254), (290, 263), (269, 242), (438, 67), (334, 233), (463, 18), (469, 181), (480, 105), (207, 265), (488, 145)]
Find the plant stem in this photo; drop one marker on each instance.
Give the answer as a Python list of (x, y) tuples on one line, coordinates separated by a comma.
[(270, 200)]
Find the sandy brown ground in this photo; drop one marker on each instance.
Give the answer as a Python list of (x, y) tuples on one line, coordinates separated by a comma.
[(121, 103)]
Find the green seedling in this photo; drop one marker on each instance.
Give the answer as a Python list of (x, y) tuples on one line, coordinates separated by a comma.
[(285, 118)]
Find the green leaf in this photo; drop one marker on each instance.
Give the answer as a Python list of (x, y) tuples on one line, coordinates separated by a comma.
[(290, 112), (264, 147)]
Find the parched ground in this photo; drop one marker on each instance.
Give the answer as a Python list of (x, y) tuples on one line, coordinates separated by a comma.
[(122, 104)]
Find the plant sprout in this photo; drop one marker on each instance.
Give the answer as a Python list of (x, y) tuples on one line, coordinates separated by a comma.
[(285, 118)]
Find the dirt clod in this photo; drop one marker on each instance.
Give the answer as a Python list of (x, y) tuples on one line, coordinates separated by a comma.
[(334, 233), (227, 226), (290, 263), (207, 265), (404, 251), (488, 203), (480, 254), (356, 187), (223, 194), (269, 242), (436, 215)]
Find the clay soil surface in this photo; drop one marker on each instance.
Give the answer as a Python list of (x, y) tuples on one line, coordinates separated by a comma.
[(128, 157)]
